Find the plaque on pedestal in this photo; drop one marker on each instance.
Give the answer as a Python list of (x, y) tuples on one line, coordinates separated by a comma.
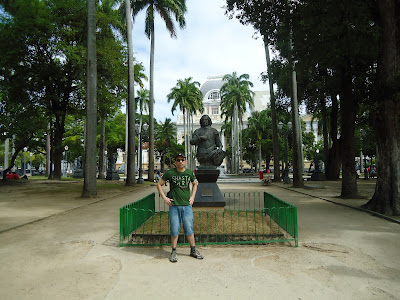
[(208, 193)]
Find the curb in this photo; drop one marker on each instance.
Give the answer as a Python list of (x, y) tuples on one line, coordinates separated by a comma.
[(375, 214)]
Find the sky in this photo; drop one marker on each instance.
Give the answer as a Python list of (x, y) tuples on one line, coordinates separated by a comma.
[(210, 45)]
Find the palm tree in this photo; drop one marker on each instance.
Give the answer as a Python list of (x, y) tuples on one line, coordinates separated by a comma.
[(167, 10), (142, 100), (235, 95), (259, 124), (187, 95), (89, 185), (273, 111), (165, 139), (130, 107)]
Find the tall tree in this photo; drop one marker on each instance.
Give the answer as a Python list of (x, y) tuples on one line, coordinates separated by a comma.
[(111, 70), (235, 96), (53, 54), (142, 100), (167, 10), (165, 139), (130, 107), (90, 166), (188, 97), (273, 112), (260, 124), (386, 111)]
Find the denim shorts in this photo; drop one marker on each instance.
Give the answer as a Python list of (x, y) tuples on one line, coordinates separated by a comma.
[(178, 214)]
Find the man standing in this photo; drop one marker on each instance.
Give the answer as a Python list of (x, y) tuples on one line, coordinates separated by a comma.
[(180, 201)]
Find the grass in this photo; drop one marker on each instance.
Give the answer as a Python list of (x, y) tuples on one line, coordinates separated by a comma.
[(216, 222)]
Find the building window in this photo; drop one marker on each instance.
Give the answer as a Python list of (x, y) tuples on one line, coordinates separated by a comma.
[(215, 111), (213, 95)]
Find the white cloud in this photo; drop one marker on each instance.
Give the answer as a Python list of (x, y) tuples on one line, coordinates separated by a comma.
[(210, 45)]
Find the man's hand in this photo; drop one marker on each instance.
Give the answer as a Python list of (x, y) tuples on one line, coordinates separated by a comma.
[(168, 201), (191, 200)]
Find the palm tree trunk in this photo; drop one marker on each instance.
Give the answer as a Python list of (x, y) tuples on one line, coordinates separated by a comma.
[(102, 148), (130, 155), (48, 164), (325, 130), (184, 130), (151, 106), (139, 144), (348, 118), (273, 115), (297, 156), (89, 185)]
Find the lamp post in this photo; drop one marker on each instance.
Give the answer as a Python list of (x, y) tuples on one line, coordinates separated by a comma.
[(25, 149), (252, 147), (365, 158), (139, 131), (317, 175), (106, 160), (286, 178), (64, 172), (66, 160), (30, 165)]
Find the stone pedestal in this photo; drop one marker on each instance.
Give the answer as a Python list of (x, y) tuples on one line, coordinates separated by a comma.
[(77, 173), (317, 175), (112, 175), (208, 193)]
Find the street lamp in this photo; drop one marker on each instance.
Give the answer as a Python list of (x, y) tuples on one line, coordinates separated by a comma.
[(66, 161), (30, 166), (139, 131), (106, 160), (286, 178), (25, 149), (365, 158)]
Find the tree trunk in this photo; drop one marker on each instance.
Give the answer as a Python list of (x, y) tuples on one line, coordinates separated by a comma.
[(56, 147), (332, 169), (348, 110), (324, 130), (90, 166), (386, 199), (131, 113), (298, 181), (102, 148), (275, 139), (48, 164), (151, 107)]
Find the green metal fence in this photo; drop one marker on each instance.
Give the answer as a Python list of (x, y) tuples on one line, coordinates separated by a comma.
[(248, 218), (283, 213)]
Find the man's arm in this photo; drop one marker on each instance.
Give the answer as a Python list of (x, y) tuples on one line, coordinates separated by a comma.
[(194, 190), (167, 200)]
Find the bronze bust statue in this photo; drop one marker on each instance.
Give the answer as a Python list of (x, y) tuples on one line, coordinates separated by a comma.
[(209, 146)]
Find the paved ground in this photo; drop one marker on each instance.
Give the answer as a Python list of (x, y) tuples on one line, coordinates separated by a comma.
[(72, 252)]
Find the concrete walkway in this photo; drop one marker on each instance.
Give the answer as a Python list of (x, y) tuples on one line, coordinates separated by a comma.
[(73, 253)]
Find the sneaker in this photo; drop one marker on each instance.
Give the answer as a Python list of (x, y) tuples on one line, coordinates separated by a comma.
[(196, 254), (173, 257)]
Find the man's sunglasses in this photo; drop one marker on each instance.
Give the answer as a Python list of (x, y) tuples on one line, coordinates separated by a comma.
[(180, 159)]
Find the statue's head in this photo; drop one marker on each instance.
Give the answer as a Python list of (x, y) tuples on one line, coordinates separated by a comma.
[(205, 120)]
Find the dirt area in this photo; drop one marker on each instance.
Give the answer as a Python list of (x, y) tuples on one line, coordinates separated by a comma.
[(54, 244)]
